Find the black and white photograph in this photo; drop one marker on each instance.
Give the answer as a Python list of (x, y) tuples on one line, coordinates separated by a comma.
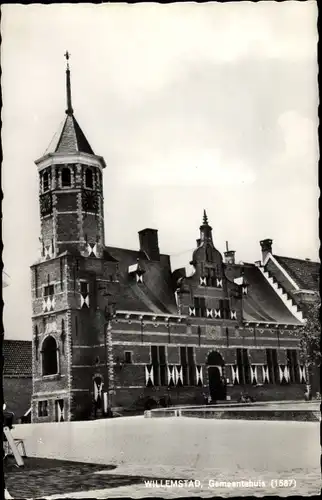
[(161, 332)]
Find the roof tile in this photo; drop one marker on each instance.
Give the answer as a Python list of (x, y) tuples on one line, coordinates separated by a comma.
[(17, 358)]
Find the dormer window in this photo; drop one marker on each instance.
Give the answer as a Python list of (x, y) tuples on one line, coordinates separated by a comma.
[(45, 181), (89, 178), (66, 177)]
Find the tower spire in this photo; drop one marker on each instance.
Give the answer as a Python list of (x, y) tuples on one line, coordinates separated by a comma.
[(69, 110), (205, 218)]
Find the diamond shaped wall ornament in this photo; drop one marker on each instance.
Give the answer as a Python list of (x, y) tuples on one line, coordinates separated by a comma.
[(265, 374), (84, 300), (139, 278), (217, 313), (192, 311), (92, 249), (51, 303), (149, 379), (171, 376), (47, 252), (179, 378), (98, 386), (302, 374), (209, 313), (233, 314), (234, 374), (60, 410), (219, 283), (253, 374), (199, 377), (203, 281)]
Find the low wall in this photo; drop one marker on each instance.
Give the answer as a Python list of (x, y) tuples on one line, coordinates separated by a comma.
[(187, 442)]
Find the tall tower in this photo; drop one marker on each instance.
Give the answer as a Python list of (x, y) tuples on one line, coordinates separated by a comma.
[(70, 360), (71, 190)]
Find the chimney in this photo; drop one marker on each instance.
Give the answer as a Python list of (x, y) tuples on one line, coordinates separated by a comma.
[(230, 256), (266, 246), (149, 243)]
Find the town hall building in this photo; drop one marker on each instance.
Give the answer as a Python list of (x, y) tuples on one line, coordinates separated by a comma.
[(115, 328)]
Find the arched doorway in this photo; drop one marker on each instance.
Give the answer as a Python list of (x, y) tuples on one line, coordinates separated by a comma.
[(216, 380)]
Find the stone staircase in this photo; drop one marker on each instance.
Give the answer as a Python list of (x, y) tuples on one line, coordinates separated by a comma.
[(284, 296)]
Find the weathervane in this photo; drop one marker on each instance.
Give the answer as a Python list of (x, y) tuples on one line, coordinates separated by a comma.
[(67, 56)]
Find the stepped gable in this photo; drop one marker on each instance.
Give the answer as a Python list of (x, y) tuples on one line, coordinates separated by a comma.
[(305, 273), (155, 293), (261, 302), (17, 358)]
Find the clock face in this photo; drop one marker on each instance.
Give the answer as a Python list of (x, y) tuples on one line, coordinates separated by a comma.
[(46, 204), (90, 201)]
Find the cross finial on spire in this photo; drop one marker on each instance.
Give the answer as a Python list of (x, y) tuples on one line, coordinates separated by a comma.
[(205, 218), (67, 56), (69, 109)]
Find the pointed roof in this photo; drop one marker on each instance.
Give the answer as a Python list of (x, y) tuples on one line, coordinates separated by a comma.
[(70, 138)]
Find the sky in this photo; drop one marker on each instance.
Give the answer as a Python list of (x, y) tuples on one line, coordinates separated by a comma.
[(191, 105)]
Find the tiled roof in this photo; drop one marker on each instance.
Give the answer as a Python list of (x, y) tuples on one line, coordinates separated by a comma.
[(155, 294), (70, 139), (262, 303), (17, 358), (305, 273)]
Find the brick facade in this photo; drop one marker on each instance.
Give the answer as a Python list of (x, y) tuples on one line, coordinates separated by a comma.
[(114, 327)]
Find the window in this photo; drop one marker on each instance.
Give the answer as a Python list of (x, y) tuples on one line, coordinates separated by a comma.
[(49, 290), (211, 276), (42, 408), (89, 178), (243, 366), (224, 307), (293, 366), (200, 306), (208, 253), (45, 181), (66, 177), (49, 356), (128, 357), (188, 365), (159, 364), (271, 355), (84, 287)]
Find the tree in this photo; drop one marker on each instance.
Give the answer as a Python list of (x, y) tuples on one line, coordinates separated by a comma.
[(310, 334)]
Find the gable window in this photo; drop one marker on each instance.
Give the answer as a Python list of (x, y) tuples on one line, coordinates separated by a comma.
[(128, 357), (243, 366), (89, 178), (45, 181), (66, 177), (200, 306), (211, 276), (271, 356), (188, 365), (159, 364), (49, 356), (42, 408)]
